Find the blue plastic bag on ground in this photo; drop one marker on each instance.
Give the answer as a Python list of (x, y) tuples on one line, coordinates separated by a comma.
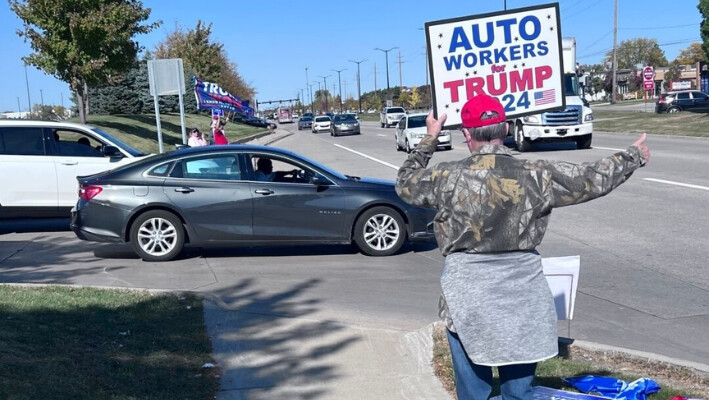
[(614, 388)]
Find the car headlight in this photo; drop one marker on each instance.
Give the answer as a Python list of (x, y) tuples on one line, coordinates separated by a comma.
[(588, 117), (531, 119), (418, 135)]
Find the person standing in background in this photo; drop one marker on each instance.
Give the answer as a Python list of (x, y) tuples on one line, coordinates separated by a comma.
[(196, 139), (219, 137)]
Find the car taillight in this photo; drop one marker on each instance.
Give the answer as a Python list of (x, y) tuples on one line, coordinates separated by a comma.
[(89, 192)]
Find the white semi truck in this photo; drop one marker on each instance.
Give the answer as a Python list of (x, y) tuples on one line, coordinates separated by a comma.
[(574, 123)]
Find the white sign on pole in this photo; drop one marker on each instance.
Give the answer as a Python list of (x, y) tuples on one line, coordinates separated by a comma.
[(166, 78), (562, 274), (513, 55)]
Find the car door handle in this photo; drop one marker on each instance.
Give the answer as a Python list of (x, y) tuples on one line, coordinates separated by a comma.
[(69, 162), (264, 192), (184, 190)]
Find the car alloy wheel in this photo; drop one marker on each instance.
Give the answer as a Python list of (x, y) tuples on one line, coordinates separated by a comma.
[(379, 231), (157, 236), (673, 110)]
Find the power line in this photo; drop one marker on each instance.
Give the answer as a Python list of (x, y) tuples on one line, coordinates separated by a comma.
[(582, 10), (662, 27), (679, 41)]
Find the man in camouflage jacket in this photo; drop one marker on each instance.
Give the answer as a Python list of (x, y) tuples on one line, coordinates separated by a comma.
[(493, 210)]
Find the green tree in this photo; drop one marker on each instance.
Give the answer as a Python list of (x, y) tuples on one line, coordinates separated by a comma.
[(415, 97), (205, 57), (82, 42), (703, 7), (691, 55), (638, 51)]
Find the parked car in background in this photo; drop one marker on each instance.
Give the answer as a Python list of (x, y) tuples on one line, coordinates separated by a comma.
[(305, 122), (215, 196), (40, 160), (390, 116), (412, 128), (685, 100), (344, 124), (321, 123)]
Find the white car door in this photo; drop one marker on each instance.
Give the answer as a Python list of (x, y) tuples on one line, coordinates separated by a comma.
[(78, 153), (29, 177)]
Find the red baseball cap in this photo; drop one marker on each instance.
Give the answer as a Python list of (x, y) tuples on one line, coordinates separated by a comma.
[(482, 104)]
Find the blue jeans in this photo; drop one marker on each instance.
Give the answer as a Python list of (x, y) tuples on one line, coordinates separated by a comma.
[(474, 382)]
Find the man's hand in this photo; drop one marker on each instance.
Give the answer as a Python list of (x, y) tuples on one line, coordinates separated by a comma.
[(434, 126), (640, 144)]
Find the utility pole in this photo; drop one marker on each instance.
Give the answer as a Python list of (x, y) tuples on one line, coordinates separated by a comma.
[(339, 80), (27, 83), (401, 84), (19, 110), (324, 79), (375, 77), (614, 87), (359, 91)]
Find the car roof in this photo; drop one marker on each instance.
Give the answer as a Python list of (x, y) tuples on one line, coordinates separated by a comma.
[(43, 123), (419, 114)]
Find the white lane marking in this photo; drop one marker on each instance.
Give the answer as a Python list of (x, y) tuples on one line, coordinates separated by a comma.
[(382, 135), (367, 157), (608, 148), (677, 183)]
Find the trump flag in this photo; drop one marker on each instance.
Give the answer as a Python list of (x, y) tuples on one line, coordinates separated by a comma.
[(210, 95)]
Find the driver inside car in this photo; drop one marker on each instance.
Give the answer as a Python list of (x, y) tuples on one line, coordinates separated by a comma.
[(264, 172)]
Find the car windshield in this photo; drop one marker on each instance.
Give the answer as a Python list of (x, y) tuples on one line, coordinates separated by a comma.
[(397, 110), (345, 118), (306, 119), (322, 119), (133, 152), (417, 121)]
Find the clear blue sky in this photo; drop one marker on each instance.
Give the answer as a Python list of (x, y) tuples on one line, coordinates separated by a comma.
[(272, 45)]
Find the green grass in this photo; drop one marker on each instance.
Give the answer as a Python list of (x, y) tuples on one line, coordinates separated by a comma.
[(140, 132), (70, 343), (673, 380), (682, 124)]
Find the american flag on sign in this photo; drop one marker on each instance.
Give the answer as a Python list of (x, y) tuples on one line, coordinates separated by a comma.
[(544, 97)]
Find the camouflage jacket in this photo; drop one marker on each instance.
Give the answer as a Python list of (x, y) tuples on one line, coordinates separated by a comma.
[(493, 202)]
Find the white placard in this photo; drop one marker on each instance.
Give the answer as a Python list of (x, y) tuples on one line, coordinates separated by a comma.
[(513, 55), (562, 274)]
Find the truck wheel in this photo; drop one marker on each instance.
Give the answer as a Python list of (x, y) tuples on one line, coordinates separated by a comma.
[(379, 231), (522, 143), (584, 142), (157, 236)]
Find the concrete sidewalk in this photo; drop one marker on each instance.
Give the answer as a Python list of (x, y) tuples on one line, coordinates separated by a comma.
[(276, 357)]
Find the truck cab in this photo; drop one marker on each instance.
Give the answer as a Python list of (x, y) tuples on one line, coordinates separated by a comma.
[(573, 123)]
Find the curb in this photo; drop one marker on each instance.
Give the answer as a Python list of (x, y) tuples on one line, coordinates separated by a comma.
[(591, 346)]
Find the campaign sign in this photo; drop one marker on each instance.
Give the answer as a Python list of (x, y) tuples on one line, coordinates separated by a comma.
[(514, 55)]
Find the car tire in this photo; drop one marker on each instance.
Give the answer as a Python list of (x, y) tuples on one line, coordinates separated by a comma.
[(523, 144), (673, 110), (314, 131), (407, 146), (379, 231), (164, 225), (396, 142), (584, 142), (300, 129), (382, 123), (449, 147)]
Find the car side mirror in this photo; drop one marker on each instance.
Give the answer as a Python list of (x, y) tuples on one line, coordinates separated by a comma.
[(319, 180), (112, 151)]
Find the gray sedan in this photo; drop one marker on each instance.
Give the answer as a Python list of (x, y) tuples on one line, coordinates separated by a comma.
[(242, 195)]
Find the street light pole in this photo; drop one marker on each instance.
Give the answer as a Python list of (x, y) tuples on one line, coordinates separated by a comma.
[(306, 83), (359, 93), (27, 83), (386, 56), (339, 82), (324, 79)]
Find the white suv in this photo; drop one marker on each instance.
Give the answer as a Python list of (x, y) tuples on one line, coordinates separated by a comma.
[(390, 116), (40, 160)]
